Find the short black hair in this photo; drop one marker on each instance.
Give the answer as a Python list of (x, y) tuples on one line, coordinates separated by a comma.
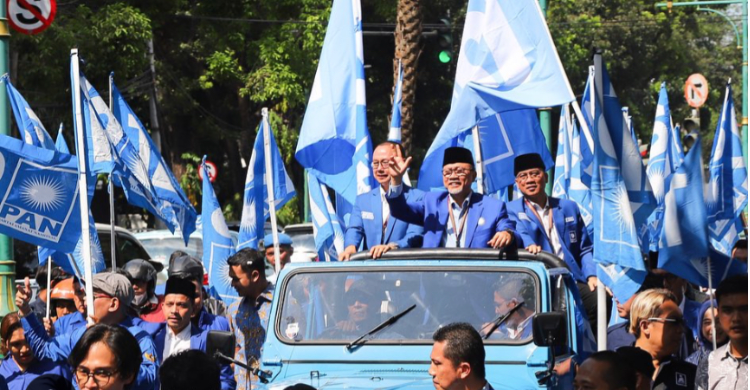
[(191, 369), (119, 340), (463, 344), (736, 284), (41, 275), (619, 372), (249, 259), (640, 360)]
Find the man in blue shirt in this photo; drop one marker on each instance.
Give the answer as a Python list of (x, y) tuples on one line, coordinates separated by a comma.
[(191, 269), (178, 334), (112, 293), (371, 221), (555, 226), (457, 217)]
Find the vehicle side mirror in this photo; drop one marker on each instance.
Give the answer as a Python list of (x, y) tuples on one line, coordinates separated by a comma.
[(550, 329), (221, 342)]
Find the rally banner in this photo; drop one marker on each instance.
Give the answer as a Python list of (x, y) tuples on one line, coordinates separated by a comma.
[(39, 196)]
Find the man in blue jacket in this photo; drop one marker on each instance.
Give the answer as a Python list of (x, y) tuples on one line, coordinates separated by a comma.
[(178, 333), (371, 220), (458, 217), (191, 269), (555, 226), (112, 293)]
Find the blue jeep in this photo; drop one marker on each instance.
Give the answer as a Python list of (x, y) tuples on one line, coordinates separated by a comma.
[(368, 324)]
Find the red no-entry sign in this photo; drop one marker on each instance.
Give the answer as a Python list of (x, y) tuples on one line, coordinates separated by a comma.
[(31, 16), (696, 90), (212, 171)]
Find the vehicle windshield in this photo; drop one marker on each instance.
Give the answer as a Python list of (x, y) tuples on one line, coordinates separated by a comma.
[(303, 240), (339, 306)]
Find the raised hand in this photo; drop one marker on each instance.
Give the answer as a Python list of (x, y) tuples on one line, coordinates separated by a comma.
[(23, 296), (398, 167)]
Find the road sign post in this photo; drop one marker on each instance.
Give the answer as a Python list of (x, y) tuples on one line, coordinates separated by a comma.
[(696, 90), (31, 17)]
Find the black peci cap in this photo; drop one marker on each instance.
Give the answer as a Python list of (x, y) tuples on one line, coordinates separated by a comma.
[(527, 161), (456, 154)]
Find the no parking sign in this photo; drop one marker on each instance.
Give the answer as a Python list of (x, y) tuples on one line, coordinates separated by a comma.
[(31, 16)]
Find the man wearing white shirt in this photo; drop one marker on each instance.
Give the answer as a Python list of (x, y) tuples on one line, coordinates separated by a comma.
[(371, 224), (178, 333)]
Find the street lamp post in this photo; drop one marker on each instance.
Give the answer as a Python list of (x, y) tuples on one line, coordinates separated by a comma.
[(545, 114), (7, 265)]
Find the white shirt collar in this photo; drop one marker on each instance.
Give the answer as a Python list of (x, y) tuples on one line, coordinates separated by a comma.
[(466, 201), (183, 335)]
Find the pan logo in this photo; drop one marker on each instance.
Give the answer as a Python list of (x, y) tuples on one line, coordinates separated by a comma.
[(39, 200)]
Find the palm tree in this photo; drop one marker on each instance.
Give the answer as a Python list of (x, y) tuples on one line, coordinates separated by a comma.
[(408, 33)]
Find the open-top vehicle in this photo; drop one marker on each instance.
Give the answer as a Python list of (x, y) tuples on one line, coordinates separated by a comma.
[(369, 324)]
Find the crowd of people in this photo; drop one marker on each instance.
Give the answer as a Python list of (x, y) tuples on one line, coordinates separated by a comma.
[(670, 335)]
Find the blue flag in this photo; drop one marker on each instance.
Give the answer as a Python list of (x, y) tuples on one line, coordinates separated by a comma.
[(568, 182), (665, 157), (629, 122), (625, 154), (727, 184), (217, 243), (39, 203), (166, 186), (616, 242), (502, 136), (507, 62), (128, 169), (29, 126), (256, 191), (329, 235), (683, 245), (334, 143), (394, 134), (72, 263)]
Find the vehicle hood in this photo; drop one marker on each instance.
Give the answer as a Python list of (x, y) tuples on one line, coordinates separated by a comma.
[(396, 379)]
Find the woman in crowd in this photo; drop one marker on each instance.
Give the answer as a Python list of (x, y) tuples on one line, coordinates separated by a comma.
[(657, 324), (20, 366), (704, 343), (106, 358)]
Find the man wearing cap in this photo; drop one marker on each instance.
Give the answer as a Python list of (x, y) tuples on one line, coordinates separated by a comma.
[(458, 217), (112, 294), (191, 269), (142, 275), (553, 225), (285, 254), (370, 221), (178, 333)]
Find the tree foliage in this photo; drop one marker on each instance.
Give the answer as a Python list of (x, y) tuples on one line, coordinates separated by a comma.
[(219, 62)]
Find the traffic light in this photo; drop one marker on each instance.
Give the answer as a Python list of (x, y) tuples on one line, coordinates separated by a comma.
[(446, 42)]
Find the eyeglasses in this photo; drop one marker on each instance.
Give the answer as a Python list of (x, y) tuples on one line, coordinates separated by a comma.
[(673, 321), (351, 299), (526, 175), (383, 163), (101, 377), (460, 172)]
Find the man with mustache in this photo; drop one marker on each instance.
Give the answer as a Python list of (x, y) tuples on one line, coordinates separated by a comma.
[(553, 225), (457, 217), (178, 333), (371, 221)]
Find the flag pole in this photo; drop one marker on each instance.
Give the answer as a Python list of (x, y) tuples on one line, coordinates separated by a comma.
[(478, 159), (111, 187), (82, 185), (49, 280), (269, 187), (601, 293), (711, 299)]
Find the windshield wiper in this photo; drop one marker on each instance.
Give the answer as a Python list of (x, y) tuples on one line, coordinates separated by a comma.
[(390, 321), (499, 320)]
